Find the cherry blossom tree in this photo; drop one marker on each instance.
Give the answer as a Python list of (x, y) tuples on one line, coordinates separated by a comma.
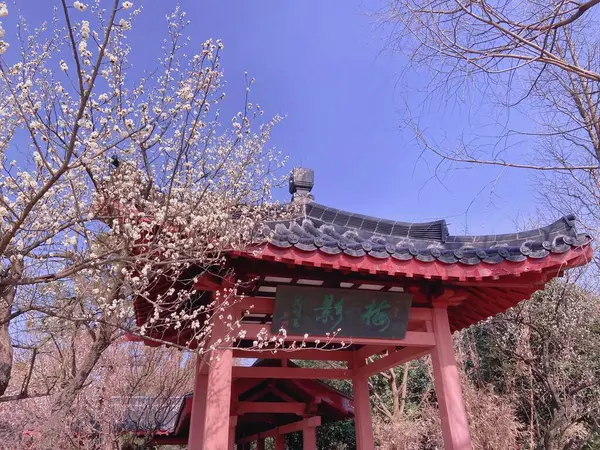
[(112, 184), (134, 393)]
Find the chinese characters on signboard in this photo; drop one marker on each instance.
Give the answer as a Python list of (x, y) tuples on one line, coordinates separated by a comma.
[(355, 313)]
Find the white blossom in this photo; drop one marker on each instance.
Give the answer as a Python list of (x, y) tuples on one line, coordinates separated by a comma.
[(85, 29), (97, 208)]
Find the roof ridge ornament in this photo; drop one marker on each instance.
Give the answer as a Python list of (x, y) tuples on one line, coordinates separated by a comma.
[(301, 183)]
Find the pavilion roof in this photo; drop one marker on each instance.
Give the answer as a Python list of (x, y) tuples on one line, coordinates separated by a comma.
[(483, 275), (357, 242), (488, 273), (333, 232), (154, 414)]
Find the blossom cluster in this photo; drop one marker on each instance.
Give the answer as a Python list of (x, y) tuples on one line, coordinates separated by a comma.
[(3, 13), (125, 184)]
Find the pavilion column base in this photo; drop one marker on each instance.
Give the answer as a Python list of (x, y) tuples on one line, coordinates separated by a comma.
[(232, 426), (309, 437), (217, 429), (196, 436), (363, 423), (280, 442), (453, 414)]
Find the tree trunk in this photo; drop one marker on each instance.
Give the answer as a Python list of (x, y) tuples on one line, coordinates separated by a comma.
[(403, 388), (554, 436), (395, 398), (6, 350), (531, 411), (7, 297), (65, 398)]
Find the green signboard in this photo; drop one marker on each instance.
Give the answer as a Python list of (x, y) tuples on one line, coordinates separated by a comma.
[(318, 311)]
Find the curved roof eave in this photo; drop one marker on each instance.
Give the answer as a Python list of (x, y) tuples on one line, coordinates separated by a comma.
[(328, 236)]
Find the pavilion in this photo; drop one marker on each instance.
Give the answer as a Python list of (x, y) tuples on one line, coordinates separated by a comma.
[(301, 406), (393, 289)]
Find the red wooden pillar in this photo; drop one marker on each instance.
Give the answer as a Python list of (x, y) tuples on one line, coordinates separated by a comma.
[(232, 425), (218, 401), (260, 444), (455, 425), (309, 437), (280, 442), (363, 424), (196, 437)]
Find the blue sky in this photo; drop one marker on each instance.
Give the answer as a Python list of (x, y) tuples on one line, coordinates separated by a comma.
[(326, 67)]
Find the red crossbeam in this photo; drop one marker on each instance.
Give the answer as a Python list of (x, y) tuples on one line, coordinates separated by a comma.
[(308, 354), (311, 422), (411, 339), (392, 360), (299, 373), (272, 407)]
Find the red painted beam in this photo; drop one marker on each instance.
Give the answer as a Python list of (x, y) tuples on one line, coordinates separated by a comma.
[(505, 275), (393, 360), (256, 305), (411, 339), (306, 354), (428, 270), (184, 415), (279, 393), (311, 422), (272, 407), (291, 373), (266, 305), (298, 426), (208, 282), (256, 396), (242, 386), (419, 314), (334, 399), (370, 350)]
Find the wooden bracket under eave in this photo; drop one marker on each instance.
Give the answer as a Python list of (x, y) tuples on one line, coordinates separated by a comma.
[(448, 297), (208, 282)]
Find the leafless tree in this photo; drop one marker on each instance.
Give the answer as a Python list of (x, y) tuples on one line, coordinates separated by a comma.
[(132, 393), (548, 352), (539, 61)]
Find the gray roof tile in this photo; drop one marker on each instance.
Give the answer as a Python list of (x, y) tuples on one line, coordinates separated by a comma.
[(333, 231)]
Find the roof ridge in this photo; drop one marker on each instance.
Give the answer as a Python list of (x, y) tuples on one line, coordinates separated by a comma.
[(431, 222), (333, 232)]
